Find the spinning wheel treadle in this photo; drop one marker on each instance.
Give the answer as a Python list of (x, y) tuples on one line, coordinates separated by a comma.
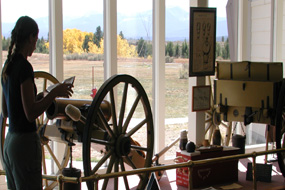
[(129, 140), (42, 81)]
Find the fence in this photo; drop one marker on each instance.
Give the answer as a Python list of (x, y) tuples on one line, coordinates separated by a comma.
[(190, 164)]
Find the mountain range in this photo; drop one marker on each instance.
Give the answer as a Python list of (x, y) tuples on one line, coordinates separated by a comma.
[(132, 26)]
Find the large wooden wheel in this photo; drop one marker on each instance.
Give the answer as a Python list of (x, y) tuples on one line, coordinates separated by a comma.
[(280, 127), (214, 121), (56, 163), (129, 136)]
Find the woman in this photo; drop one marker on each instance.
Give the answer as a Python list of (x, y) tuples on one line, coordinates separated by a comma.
[(22, 148)]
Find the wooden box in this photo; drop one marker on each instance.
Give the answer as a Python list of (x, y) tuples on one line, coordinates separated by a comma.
[(245, 93), (239, 95), (250, 71), (210, 174)]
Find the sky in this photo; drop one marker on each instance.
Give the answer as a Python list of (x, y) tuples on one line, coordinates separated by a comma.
[(75, 8)]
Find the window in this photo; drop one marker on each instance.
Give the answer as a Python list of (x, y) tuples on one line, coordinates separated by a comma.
[(35, 10), (82, 45), (134, 26), (176, 70)]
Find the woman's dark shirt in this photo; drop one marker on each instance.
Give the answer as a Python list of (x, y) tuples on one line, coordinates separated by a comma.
[(18, 71)]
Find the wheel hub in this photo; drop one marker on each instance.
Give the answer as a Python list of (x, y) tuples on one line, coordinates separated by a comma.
[(123, 145)]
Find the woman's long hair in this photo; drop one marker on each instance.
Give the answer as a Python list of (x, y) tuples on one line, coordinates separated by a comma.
[(25, 26)]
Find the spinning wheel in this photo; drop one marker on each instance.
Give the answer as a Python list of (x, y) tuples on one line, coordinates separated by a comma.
[(280, 127), (42, 81), (213, 121), (129, 137)]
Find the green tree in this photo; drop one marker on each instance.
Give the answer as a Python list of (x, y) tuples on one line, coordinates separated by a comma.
[(6, 43), (87, 39), (218, 49), (122, 35), (176, 50), (226, 50), (169, 49), (41, 46), (141, 48), (98, 35), (185, 50), (149, 49)]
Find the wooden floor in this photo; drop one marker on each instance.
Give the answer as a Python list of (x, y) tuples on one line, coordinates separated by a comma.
[(168, 181)]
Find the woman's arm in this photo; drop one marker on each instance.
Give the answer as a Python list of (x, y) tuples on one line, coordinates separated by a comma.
[(34, 108)]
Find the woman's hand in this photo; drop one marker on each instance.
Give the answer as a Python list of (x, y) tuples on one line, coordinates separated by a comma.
[(34, 107), (63, 90)]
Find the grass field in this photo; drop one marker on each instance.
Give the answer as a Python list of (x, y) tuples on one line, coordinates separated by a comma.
[(176, 96)]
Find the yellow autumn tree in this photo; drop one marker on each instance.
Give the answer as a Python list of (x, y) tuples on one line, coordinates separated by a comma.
[(93, 48), (73, 40), (124, 48)]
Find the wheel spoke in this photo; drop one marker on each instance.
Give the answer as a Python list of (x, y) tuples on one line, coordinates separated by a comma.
[(208, 113), (224, 125), (109, 169), (102, 161), (208, 120), (130, 162), (116, 169), (105, 124), (126, 124), (124, 177), (136, 128), (53, 157), (113, 111), (102, 142), (140, 148), (208, 127), (123, 107)]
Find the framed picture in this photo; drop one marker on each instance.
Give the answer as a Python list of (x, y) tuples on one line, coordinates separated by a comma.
[(201, 98), (202, 41)]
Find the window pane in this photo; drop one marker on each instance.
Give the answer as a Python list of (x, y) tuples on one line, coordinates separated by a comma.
[(83, 55), (39, 12), (82, 45), (134, 26), (176, 70)]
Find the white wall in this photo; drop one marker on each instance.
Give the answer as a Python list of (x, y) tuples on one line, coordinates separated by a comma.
[(260, 27)]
